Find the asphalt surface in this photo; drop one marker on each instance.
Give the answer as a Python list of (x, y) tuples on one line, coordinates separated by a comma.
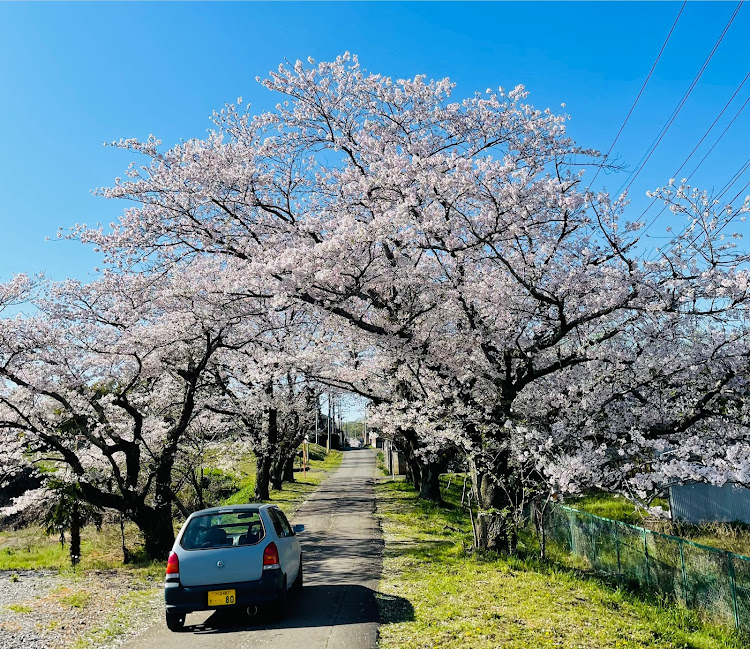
[(342, 558)]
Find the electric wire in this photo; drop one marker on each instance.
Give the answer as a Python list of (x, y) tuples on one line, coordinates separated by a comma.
[(731, 217), (650, 151), (695, 148), (643, 87), (737, 195), (737, 114), (734, 179), (726, 187)]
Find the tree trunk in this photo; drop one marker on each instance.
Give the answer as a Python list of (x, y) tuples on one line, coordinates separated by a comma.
[(277, 476), (268, 448), (155, 524), (413, 471), (493, 488), (408, 443), (283, 471), (125, 551), (289, 470), (541, 532), (262, 478), (279, 470), (429, 488), (75, 533)]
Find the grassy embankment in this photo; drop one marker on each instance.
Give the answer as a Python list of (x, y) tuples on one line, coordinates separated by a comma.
[(435, 593), (725, 536), (32, 549)]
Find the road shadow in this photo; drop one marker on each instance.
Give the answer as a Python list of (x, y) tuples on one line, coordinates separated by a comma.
[(317, 605), (365, 554)]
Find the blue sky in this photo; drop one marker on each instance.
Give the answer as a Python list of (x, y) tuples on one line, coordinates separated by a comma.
[(73, 76)]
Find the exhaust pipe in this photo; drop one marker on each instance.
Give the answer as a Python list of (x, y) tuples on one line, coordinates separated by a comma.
[(252, 611)]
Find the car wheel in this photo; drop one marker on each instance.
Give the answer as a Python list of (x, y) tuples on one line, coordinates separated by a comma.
[(175, 621), (299, 582), (281, 601)]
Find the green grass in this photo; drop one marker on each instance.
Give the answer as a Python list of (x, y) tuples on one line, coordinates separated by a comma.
[(381, 463), (610, 506), (458, 598), (76, 599), (30, 548), (20, 608), (725, 536)]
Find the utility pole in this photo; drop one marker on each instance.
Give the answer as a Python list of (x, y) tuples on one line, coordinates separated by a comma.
[(317, 412), (341, 423), (328, 425)]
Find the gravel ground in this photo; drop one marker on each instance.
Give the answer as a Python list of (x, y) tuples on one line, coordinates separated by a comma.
[(94, 609)]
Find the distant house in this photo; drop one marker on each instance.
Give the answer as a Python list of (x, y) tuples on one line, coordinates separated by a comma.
[(702, 503)]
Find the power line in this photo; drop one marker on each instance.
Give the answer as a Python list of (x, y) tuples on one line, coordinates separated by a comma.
[(726, 187), (718, 117), (643, 87), (695, 148), (737, 114), (731, 217), (681, 103), (734, 179), (740, 192)]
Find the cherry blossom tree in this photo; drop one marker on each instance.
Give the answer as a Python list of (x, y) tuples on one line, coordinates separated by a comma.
[(106, 379), (390, 383), (262, 389), (457, 239)]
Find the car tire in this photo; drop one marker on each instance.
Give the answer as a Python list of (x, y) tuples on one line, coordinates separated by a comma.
[(281, 601), (175, 621), (299, 582)]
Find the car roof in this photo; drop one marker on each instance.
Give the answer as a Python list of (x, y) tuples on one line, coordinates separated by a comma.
[(227, 509)]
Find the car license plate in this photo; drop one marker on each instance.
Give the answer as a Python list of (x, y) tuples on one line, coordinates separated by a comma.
[(221, 597)]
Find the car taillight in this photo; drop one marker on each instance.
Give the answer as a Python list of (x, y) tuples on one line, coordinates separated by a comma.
[(270, 556), (173, 564)]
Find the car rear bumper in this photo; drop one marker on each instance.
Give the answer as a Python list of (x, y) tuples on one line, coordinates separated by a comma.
[(186, 599)]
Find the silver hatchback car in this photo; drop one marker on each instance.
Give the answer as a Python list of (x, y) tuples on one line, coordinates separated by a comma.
[(240, 556)]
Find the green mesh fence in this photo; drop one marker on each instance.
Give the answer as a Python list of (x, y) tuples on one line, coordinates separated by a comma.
[(699, 577)]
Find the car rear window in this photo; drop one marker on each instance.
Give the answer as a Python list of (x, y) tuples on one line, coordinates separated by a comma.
[(223, 529)]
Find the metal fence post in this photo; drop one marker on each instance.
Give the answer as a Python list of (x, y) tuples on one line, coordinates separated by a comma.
[(734, 590), (617, 549), (684, 573), (572, 537), (645, 550)]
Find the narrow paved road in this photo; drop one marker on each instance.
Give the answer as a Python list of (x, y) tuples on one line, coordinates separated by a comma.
[(341, 551)]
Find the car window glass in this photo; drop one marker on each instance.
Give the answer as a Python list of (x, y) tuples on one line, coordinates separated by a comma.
[(223, 529), (277, 525), (285, 524)]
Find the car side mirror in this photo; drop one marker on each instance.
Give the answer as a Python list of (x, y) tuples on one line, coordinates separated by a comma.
[(298, 528)]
